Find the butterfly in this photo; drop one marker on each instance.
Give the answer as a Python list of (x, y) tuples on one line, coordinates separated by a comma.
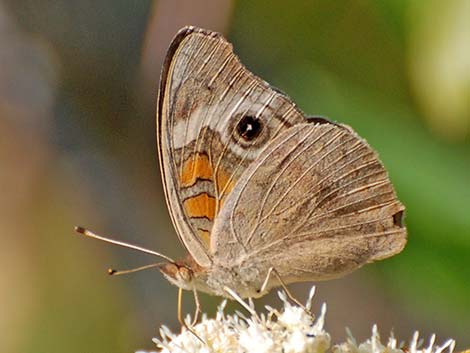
[(254, 185), (260, 194)]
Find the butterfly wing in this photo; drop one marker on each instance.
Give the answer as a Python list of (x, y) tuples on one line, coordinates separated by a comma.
[(316, 203), (213, 119)]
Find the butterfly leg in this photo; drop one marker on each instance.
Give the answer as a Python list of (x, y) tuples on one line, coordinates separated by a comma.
[(180, 316), (273, 271), (236, 297), (198, 307)]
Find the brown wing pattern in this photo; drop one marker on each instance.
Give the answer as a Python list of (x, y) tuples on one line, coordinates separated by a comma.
[(205, 95), (317, 202)]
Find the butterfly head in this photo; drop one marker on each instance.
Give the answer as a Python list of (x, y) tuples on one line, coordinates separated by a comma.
[(183, 273), (178, 274)]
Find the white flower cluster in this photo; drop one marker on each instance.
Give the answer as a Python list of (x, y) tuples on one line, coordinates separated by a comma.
[(374, 345), (292, 330)]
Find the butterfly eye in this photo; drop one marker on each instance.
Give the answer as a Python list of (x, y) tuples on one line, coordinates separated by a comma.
[(249, 127)]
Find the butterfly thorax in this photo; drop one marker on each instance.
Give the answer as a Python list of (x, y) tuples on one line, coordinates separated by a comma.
[(246, 281), (189, 275)]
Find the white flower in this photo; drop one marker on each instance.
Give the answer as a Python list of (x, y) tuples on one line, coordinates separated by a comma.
[(291, 330)]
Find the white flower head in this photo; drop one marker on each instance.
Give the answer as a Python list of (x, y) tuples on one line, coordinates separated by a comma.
[(290, 330)]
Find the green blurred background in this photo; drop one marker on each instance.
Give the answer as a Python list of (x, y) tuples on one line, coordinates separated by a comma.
[(77, 146)]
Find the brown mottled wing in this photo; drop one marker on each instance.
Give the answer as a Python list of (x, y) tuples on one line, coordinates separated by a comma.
[(204, 93), (316, 203)]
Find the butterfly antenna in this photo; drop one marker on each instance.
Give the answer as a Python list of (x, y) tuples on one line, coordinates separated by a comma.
[(114, 272), (90, 234)]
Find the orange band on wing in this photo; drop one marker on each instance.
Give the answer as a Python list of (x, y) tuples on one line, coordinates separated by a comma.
[(196, 168), (201, 205), (200, 168)]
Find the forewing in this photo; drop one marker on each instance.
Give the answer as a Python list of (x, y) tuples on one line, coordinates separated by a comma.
[(204, 93), (315, 204)]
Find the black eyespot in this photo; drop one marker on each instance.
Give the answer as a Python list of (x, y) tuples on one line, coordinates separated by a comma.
[(249, 127)]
